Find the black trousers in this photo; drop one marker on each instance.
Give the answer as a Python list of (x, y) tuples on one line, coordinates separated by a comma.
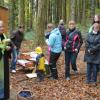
[(70, 58), (53, 60)]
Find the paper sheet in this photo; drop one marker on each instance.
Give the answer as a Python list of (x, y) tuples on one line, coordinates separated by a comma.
[(31, 75)]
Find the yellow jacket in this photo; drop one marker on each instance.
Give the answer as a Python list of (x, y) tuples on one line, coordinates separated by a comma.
[(40, 59)]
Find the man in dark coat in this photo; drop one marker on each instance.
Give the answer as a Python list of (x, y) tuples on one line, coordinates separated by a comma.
[(92, 53), (16, 40)]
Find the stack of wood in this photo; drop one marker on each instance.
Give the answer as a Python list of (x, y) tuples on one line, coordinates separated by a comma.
[(27, 60), (25, 56)]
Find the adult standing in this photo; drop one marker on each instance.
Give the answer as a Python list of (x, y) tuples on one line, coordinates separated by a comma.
[(92, 53), (73, 42), (55, 43), (50, 27), (16, 39), (4, 63), (96, 19), (62, 29)]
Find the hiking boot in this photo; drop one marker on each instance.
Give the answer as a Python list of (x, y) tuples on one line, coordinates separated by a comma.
[(76, 72), (87, 82), (68, 78), (52, 78)]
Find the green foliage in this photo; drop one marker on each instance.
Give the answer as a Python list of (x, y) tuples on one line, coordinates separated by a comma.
[(84, 29), (30, 35), (97, 11), (51, 11)]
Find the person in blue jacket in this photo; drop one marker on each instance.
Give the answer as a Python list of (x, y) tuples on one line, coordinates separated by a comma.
[(55, 43), (50, 27)]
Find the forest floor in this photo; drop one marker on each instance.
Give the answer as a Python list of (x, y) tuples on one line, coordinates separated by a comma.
[(61, 89)]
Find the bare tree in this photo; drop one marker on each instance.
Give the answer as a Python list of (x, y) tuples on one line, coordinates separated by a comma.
[(21, 12)]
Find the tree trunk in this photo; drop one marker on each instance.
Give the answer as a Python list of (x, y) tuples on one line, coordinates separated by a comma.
[(41, 21), (21, 12), (84, 12), (27, 15), (92, 8), (80, 11), (12, 15), (1, 2), (68, 4), (72, 9), (36, 8), (54, 11), (64, 10), (98, 4), (31, 13), (59, 10)]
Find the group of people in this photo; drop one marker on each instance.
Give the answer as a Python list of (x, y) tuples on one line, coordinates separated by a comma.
[(59, 39), (70, 41)]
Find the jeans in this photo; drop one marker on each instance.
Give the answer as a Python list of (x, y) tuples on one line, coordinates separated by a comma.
[(15, 53), (53, 60), (70, 57), (98, 68), (91, 72)]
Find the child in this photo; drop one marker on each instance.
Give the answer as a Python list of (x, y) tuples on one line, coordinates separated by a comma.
[(40, 64), (73, 42), (92, 53)]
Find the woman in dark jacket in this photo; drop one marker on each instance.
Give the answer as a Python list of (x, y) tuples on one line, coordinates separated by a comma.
[(92, 53)]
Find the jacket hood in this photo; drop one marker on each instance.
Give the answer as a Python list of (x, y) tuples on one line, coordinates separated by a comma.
[(55, 31)]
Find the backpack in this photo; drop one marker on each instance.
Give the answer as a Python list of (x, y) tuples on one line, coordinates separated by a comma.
[(40, 62)]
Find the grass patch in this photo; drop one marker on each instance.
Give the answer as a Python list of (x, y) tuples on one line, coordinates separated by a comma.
[(30, 35)]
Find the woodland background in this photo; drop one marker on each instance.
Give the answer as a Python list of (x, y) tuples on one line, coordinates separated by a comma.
[(35, 14)]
